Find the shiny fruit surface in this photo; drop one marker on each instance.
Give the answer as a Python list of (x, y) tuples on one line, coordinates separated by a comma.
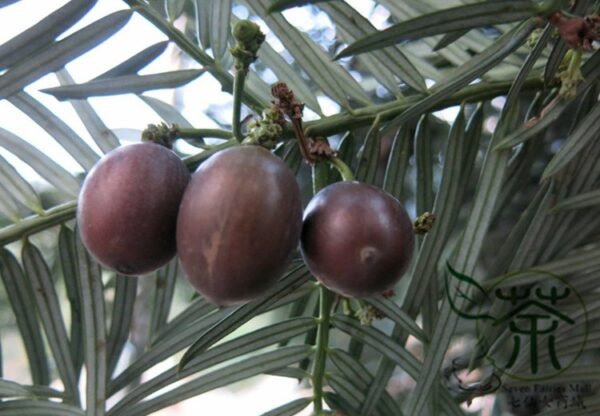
[(239, 222), (356, 239), (127, 207)]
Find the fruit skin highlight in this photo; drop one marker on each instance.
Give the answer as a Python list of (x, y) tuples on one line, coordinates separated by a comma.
[(356, 239), (238, 225), (127, 208)]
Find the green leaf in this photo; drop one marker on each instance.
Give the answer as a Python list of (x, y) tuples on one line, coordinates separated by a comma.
[(446, 207), (554, 61), (18, 187), (577, 262), (183, 335), (4, 3), (281, 5), (32, 40), (463, 75), (104, 137), (511, 244), (333, 79), (173, 9), (121, 320), (197, 310), (125, 84), (10, 389), (292, 281), (48, 306), (372, 65), (586, 131), (179, 339), (292, 157), (424, 166), (354, 25), (380, 342), (289, 409), (202, 9), (164, 289), (40, 162), (337, 402), (138, 61), (473, 133), (38, 408), (220, 27), (590, 71), (92, 297), (397, 163), (19, 293), (357, 375), (455, 53), (240, 370), (8, 206), (286, 72), (58, 54), (457, 18), (585, 200), (58, 129), (449, 38), (368, 155), (166, 111), (395, 313), (67, 252), (232, 349), (490, 184), (514, 94)]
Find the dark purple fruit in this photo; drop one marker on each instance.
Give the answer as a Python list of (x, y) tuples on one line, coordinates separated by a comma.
[(356, 239), (127, 210), (239, 222)]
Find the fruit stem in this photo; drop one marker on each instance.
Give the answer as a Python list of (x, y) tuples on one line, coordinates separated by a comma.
[(321, 347), (238, 91), (342, 168), (248, 37), (319, 174)]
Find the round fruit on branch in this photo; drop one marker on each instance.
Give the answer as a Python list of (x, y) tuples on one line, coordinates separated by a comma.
[(127, 208), (239, 222), (356, 239)]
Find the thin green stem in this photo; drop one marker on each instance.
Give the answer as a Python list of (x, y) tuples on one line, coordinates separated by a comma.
[(342, 168), (238, 92), (204, 133), (319, 173), (321, 347)]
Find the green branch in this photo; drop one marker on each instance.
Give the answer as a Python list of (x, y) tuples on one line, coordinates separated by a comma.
[(365, 116), (37, 223)]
